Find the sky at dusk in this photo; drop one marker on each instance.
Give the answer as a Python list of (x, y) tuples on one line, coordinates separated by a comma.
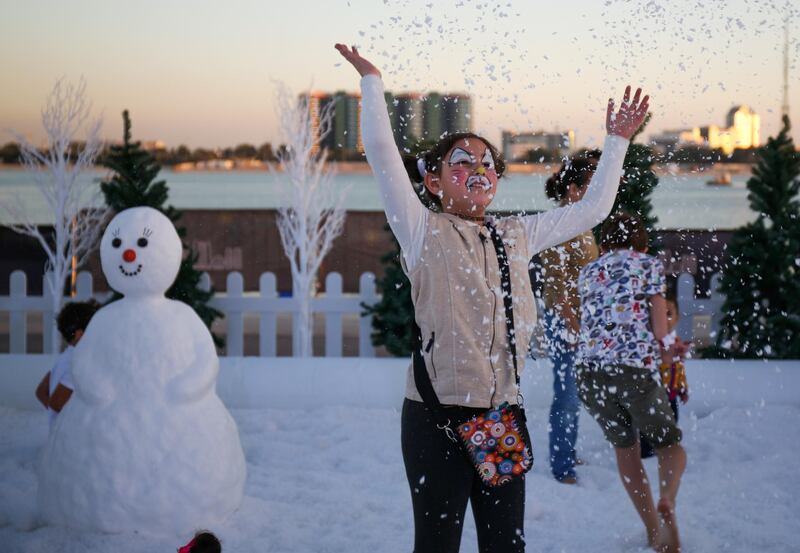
[(203, 73)]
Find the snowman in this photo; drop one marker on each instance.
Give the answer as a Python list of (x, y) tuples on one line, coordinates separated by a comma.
[(145, 444)]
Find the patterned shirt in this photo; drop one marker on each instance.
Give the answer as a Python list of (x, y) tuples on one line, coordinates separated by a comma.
[(615, 309)]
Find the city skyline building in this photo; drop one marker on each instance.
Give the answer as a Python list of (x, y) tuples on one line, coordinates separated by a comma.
[(421, 119), (743, 131), (517, 146), (416, 119)]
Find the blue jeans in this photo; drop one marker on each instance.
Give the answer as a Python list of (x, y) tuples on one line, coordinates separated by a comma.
[(565, 407)]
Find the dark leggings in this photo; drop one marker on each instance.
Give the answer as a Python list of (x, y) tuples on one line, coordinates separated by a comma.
[(442, 481)]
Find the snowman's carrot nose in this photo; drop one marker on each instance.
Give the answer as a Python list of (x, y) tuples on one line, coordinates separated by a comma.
[(129, 256)]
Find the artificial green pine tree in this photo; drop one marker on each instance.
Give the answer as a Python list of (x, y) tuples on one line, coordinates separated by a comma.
[(638, 182), (133, 184), (761, 281), (392, 315)]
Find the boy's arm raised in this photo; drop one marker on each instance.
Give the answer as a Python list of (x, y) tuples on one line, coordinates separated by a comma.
[(406, 215), (555, 226)]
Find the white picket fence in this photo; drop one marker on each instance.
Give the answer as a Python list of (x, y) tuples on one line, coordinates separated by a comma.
[(699, 317), (332, 303)]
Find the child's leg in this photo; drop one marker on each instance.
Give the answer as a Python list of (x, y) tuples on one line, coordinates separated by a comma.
[(499, 516), (594, 390), (650, 410), (634, 478), (564, 410), (440, 478), (671, 464)]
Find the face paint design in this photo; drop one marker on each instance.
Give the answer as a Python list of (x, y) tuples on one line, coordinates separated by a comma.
[(478, 182), (488, 160), (461, 159)]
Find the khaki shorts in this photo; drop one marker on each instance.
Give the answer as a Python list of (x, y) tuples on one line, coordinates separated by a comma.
[(625, 401)]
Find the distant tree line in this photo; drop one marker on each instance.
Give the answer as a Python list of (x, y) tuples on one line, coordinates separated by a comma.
[(696, 155), (10, 153)]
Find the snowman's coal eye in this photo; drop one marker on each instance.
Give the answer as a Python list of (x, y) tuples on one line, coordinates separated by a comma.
[(142, 242), (116, 243)]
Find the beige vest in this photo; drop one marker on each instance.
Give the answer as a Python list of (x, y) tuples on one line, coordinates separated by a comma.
[(458, 302)]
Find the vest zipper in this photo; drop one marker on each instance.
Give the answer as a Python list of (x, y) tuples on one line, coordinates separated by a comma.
[(494, 316)]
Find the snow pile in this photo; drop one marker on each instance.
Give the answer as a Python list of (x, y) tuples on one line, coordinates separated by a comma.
[(145, 443), (329, 477)]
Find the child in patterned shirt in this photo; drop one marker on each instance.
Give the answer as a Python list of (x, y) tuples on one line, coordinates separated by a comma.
[(623, 339)]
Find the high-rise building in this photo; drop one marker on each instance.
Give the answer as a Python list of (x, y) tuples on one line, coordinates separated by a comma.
[(457, 113), (314, 100), (414, 118), (419, 118), (743, 131), (345, 131), (745, 126), (409, 119), (434, 117), (345, 128)]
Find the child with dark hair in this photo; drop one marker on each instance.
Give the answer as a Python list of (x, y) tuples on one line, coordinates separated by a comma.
[(202, 542), (560, 268), (471, 348), (623, 338), (56, 387)]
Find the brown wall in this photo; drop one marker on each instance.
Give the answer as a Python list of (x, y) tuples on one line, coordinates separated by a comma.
[(248, 241)]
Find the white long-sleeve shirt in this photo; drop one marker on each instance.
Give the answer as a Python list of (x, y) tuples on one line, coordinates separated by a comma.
[(408, 218)]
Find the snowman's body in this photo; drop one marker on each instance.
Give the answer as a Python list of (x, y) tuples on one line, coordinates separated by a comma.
[(145, 443)]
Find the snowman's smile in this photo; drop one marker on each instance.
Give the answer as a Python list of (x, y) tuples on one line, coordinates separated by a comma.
[(132, 273)]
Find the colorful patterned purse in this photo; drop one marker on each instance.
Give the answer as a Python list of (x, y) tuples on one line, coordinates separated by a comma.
[(496, 446), (496, 442)]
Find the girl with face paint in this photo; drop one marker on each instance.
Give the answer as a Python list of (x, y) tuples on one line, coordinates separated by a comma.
[(450, 260)]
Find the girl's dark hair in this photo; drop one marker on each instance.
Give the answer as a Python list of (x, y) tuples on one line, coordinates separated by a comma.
[(206, 542), (576, 170), (623, 231), (433, 164), (75, 316)]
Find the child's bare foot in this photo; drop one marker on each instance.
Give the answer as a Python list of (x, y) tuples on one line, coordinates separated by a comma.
[(669, 540)]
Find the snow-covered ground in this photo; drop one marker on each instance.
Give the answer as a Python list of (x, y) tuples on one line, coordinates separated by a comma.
[(325, 473)]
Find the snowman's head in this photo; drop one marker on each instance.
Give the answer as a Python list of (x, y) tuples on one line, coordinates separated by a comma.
[(140, 252)]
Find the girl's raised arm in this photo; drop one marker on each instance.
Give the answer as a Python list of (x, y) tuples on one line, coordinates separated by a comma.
[(407, 217), (547, 229)]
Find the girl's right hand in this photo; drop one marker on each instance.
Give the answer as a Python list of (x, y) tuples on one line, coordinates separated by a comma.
[(363, 66)]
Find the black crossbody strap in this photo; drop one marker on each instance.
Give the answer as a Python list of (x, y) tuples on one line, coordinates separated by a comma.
[(508, 300), (423, 382)]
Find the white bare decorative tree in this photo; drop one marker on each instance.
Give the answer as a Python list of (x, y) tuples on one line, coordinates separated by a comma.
[(72, 202), (312, 212)]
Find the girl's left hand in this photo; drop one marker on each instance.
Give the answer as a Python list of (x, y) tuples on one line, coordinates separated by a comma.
[(362, 65), (630, 116)]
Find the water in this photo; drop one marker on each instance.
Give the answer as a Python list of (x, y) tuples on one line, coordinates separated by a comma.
[(679, 202)]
